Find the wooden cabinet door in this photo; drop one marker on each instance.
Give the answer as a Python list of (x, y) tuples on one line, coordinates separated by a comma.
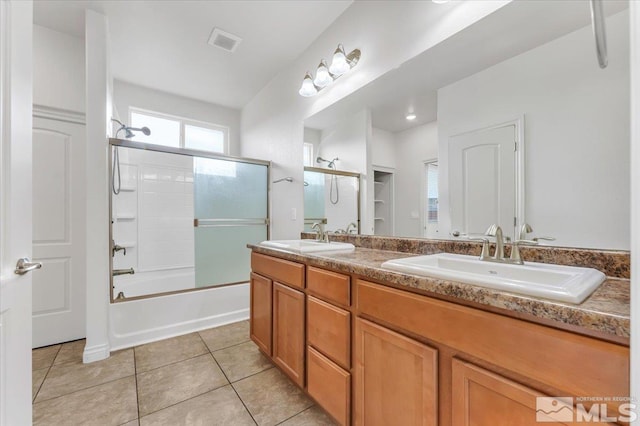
[(396, 378), (480, 397), (288, 331), (260, 305)]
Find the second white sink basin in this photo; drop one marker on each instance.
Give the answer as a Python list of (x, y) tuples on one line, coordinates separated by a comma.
[(307, 246), (556, 282)]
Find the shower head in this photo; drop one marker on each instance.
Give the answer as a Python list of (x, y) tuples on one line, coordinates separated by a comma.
[(331, 163), (128, 131)]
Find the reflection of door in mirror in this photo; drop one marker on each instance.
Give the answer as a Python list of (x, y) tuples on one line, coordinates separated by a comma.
[(430, 204), (482, 180)]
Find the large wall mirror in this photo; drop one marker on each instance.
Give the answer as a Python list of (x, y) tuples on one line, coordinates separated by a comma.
[(510, 121)]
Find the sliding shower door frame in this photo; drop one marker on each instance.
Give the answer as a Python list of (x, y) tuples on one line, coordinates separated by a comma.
[(123, 143)]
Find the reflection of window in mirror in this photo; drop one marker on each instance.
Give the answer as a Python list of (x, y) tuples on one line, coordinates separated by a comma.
[(430, 227), (307, 154)]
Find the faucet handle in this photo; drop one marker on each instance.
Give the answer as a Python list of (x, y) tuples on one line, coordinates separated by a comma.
[(537, 239)]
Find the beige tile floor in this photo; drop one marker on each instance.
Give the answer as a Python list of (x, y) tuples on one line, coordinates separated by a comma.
[(213, 377)]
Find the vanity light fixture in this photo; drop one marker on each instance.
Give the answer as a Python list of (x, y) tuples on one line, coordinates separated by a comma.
[(325, 75), (411, 116)]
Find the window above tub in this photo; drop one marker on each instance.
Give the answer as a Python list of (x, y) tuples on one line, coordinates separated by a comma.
[(179, 132)]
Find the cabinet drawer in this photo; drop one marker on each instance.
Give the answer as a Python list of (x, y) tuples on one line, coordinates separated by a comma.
[(280, 270), (541, 353), (329, 330), (329, 385), (330, 286)]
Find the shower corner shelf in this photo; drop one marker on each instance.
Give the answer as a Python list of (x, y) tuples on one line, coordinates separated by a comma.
[(379, 201), (128, 189), (124, 217), (379, 218)]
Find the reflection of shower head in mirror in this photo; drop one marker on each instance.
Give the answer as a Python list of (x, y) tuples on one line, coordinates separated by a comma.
[(331, 163)]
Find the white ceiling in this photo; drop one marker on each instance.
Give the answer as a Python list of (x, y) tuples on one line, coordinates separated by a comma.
[(163, 44), (515, 28)]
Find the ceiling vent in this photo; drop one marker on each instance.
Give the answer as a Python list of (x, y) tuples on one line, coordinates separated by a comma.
[(224, 40)]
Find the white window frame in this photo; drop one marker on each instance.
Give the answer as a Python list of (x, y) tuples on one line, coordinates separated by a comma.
[(311, 150), (184, 121)]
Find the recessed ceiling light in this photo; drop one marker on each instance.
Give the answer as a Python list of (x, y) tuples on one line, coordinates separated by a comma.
[(440, 1), (411, 116)]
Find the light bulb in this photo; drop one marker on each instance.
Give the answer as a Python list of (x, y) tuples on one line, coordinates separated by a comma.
[(339, 64), (323, 78), (411, 116), (307, 89)]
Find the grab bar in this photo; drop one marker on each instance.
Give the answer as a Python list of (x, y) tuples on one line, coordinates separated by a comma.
[(597, 22)]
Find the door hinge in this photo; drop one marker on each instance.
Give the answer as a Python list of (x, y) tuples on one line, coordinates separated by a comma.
[(515, 221), (515, 146)]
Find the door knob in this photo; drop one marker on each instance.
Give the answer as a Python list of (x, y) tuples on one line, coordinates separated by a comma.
[(24, 265)]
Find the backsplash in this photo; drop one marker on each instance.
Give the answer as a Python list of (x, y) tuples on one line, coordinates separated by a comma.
[(613, 263)]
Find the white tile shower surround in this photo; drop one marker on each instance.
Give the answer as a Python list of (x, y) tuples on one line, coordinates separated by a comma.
[(159, 201)]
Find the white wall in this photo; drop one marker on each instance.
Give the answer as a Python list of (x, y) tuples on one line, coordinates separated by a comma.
[(58, 70), (349, 141), (98, 108), (272, 122), (130, 95), (413, 148), (576, 133), (383, 149)]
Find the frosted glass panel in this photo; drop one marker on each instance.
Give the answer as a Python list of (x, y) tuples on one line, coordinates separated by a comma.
[(227, 189), (230, 204), (222, 256)]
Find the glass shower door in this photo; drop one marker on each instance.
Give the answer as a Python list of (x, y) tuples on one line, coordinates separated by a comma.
[(230, 206)]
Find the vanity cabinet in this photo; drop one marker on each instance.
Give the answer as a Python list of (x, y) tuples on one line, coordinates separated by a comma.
[(329, 342), (396, 378), (482, 397), (260, 325), (288, 331), (372, 354), (277, 318)]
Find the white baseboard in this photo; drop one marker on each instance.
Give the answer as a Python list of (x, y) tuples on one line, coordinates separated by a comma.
[(95, 353)]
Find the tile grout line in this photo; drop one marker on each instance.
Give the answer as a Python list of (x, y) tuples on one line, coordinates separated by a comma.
[(135, 376), (35, 395), (230, 383), (296, 414), (82, 389)]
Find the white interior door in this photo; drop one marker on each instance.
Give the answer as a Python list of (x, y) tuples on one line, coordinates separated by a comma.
[(482, 180), (16, 19), (58, 231)]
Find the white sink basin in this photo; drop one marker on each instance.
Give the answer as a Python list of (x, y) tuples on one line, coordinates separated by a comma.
[(556, 282), (307, 246)]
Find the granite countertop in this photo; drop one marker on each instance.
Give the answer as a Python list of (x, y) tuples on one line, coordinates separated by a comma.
[(604, 314)]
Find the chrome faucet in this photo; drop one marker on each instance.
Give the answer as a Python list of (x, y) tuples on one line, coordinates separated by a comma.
[(321, 235), (515, 248), (349, 226), (495, 231)]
